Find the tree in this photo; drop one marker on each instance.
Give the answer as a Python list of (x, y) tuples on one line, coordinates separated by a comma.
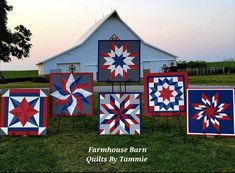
[(12, 44), (191, 64), (182, 64)]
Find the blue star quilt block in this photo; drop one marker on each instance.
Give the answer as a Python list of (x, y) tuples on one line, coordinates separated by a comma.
[(118, 60), (71, 94), (23, 112), (165, 93), (211, 112), (119, 113)]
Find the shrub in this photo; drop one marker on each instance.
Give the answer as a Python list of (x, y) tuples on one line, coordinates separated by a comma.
[(40, 79), (182, 64), (191, 64)]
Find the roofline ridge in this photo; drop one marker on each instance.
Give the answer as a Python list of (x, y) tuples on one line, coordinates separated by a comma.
[(97, 27)]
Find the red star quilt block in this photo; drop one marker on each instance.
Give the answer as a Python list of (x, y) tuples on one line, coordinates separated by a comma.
[(23, 112), (211, 112), (119, 113), (119, 61), (165, 93)]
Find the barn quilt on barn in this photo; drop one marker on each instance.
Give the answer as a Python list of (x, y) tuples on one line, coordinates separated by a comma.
[(211, 112), (165, 93), (119, 113), (23, 112), (71, 94), (119, 60)]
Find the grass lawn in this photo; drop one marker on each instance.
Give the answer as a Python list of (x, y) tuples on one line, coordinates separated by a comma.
[(19, 74), (221, 64), (67, 150), (26, 84), (167, 148), (223, 79)]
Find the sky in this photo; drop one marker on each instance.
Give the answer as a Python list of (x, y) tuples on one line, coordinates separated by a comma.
[(191, 29)]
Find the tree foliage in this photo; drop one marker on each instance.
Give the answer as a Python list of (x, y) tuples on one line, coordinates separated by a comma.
[(191, 64), (12, 44)]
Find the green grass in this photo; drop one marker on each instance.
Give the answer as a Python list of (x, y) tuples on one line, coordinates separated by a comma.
[(222, 80), (19, 74), (26, 84), (67, 150), (221, 64), (168, 150)]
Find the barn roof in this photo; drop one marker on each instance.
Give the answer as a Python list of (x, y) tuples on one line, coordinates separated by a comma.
[(92, 30)]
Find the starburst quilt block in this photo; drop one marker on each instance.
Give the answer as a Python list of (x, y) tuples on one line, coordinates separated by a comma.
[(119, 113), (119, 60), (71, 94), (211, 112), (165, 93), (23, 112)]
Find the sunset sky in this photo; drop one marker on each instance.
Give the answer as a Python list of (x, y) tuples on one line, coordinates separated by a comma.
[(190, 29)]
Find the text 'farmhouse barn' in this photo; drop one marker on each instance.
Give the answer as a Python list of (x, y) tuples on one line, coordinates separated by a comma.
[(83, 57)]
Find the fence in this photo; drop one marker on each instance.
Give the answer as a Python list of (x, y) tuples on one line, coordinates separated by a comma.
[(209, 71)]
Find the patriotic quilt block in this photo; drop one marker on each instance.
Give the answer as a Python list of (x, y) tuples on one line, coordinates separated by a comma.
[(165, 93), (211, 112), (119, 60), (23, 112), (71, 94), (119, 113)]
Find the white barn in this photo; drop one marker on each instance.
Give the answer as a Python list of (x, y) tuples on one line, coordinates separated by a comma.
[(83, 57)]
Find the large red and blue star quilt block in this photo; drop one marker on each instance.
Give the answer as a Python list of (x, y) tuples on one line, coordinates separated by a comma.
[(211, 112), (165, 93), (119, 113), (23, 112), (118, 60)]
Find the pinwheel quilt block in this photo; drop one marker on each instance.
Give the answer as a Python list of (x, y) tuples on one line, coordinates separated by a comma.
[(119, 60), (23, 112), (211, 112), (165, 93), (71, 94), (119, 113)]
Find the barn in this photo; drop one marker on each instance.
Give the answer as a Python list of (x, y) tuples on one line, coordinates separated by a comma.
[(83, 56)]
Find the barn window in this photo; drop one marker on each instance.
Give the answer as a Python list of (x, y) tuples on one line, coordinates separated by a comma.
[(69, 67), (55, 70)]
